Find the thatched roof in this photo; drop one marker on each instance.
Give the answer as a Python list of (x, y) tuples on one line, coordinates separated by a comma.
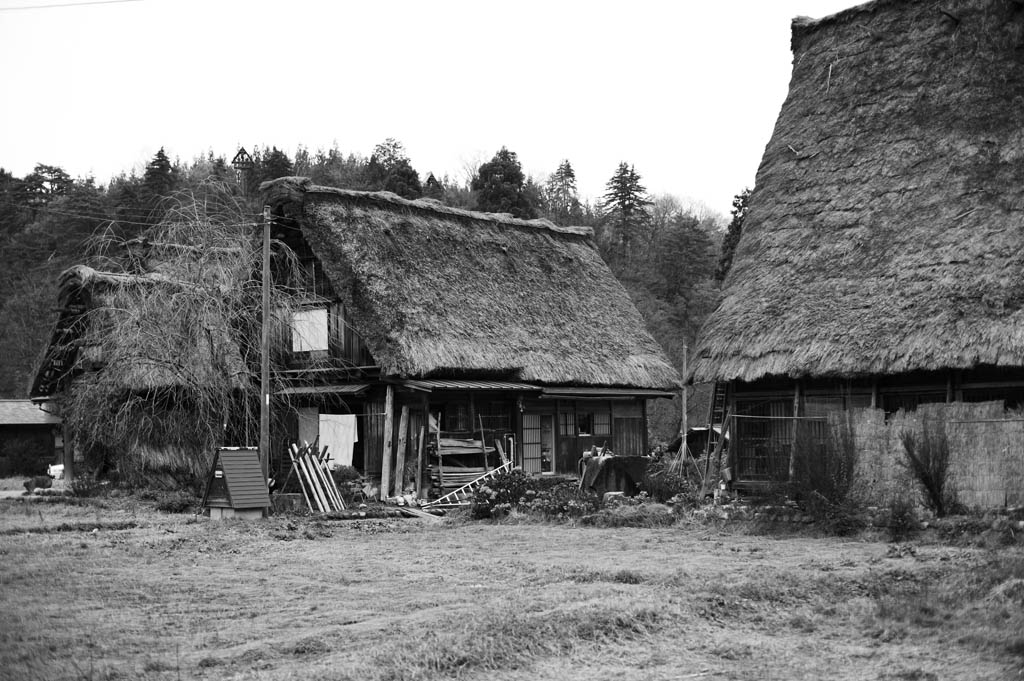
[(144, 330), (885, 232), (438, 291)]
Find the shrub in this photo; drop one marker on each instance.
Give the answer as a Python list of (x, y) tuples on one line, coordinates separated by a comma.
[(902, 522), (175, 502), (537, 496), (673, 480), (89, 486), (926, 456), (824, 465)]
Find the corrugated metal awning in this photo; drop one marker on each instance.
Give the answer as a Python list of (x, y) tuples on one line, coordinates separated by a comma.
[(604, 393), (428, 384), (344, 389)]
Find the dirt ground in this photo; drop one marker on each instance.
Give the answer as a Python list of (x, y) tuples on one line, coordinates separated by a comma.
[(119, 591)]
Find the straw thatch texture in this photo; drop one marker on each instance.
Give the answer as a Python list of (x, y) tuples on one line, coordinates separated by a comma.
[(146, 331), (885, 233), (435, 290)]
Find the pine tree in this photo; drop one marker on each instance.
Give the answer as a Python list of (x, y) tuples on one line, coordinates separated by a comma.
[(500, 186), (732, 234), (563, 202), (624, 211)]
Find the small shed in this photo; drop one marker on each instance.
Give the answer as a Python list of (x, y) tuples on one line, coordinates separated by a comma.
[(235, 487), (29, 438)]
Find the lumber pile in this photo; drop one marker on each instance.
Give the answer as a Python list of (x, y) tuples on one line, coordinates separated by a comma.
[(318, 486)]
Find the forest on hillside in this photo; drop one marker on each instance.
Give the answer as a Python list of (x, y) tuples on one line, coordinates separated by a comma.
[(669, 255)]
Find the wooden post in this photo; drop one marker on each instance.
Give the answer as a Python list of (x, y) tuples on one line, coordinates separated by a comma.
[(265, 352), (683, 425), (796, 422), (419, 462), (389, 427), (403, 427)]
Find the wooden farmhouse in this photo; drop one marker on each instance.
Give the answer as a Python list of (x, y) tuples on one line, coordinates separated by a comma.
[(881, 259), (428, 344), (475, 334)]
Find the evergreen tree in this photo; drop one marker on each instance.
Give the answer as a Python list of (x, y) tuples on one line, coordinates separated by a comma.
[(272, 165), (625, 212), (562, 200), (390, 169), (732, 234), (158, 181), (499, 185)]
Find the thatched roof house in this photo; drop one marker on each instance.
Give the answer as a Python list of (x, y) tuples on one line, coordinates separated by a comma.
[(882, 251), (484, 326), (435, 290)]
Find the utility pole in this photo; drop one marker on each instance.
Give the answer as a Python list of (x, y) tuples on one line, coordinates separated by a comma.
[(265, 351), (683, 425)]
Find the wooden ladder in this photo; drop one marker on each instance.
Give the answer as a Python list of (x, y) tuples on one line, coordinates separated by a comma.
[(717, 413), (463, 496)]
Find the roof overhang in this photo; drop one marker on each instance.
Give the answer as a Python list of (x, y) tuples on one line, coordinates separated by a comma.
[(345, 389), (604, 393), (432, 384)]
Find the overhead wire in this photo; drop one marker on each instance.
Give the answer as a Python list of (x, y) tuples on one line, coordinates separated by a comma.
[(66, 4)]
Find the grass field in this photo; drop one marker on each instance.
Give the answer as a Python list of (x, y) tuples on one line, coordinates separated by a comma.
[(111, 589)]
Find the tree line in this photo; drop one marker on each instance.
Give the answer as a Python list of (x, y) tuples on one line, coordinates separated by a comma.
[(670, 256)]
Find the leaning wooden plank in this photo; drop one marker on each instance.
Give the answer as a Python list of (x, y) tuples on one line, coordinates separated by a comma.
[(317, 493), (295, 467), (417, 513), (316, 470), (329, 484), (419, 463)]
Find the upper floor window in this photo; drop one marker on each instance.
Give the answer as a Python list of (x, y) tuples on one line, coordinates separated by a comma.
[(309, 330)]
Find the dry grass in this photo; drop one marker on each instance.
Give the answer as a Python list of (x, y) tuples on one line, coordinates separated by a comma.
[(287, 598)]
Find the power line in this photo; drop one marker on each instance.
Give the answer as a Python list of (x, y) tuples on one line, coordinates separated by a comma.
[(67, 4)]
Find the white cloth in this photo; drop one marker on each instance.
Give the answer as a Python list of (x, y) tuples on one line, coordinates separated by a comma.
[(338, 433)]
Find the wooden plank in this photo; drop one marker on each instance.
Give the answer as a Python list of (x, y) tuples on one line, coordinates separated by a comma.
[(419, 462), (389, 426), (292, 451), (403, 427)]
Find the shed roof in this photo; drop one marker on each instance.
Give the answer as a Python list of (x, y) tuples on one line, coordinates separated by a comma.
[(25, 413), (437, 291), (885, 232)]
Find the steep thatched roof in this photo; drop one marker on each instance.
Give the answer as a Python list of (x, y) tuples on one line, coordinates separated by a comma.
[(435, 290), (885, 232), (145, 330)]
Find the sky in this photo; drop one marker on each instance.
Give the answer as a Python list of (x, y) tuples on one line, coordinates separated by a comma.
[(685, 91)]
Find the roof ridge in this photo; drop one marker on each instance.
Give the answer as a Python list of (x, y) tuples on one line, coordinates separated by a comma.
[(291, 187)]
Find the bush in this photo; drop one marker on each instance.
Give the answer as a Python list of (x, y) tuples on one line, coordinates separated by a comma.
[(927, 457), (175, 502), (902, 522), (674, 480), (548, 498), (88, 486), (824, 466)]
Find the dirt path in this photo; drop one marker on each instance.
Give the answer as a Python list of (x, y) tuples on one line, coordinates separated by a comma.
[(398, 599)]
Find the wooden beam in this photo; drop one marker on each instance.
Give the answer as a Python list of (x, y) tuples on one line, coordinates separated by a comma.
[(403, 428), (792, 442), (389, 427)]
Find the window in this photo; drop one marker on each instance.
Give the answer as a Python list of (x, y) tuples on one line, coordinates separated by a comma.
[(309, 330)]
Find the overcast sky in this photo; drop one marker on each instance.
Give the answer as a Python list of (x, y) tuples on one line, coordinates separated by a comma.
[(687, 91)]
